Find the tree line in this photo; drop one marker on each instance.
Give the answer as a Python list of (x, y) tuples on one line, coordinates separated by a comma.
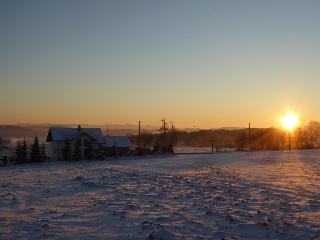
[(164, 142), (37, 153), (303, 137)]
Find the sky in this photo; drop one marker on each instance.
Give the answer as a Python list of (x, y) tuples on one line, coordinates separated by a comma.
[(201, 63)]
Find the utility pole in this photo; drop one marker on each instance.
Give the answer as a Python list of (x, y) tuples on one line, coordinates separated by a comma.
[(107, 129), (249, 139), (300, 138), (139, 134), (289, 135), (211, 145)]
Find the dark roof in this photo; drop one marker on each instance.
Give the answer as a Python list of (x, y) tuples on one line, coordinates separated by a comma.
[(61, 134), (118, 141)]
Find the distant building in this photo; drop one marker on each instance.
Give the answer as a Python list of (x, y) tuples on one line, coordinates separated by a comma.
[(120, 144), (5, 143), (83, 137)]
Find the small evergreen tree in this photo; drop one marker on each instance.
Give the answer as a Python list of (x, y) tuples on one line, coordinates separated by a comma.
[(67, 153), (21, 152), (170, 148), (35, 151), (24, 151), (43, 154), (156, 147), (19, 158), (77, 151)]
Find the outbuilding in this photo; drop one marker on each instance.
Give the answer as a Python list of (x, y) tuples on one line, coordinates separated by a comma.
[(117, 145)]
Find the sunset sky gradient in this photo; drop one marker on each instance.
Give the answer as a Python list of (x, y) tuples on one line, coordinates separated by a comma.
[(198, 63)]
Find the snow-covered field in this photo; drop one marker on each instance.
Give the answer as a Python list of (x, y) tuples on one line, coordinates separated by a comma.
[(256, 195)]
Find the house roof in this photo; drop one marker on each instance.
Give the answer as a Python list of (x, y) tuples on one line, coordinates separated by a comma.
[(61, 133), (118, 141)]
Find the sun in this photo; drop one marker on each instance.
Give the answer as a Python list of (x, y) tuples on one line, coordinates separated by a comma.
[(290, 121)]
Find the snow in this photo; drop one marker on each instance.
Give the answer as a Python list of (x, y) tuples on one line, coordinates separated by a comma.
[(194, 150), (233, 195)]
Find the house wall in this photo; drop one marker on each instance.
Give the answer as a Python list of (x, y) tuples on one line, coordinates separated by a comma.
[(55, 149), (84, 140)]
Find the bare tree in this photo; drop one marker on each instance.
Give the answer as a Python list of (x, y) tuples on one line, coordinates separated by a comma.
[(173, 135), (163, 132)]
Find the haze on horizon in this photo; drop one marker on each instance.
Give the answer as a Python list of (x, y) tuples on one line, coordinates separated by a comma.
[(197, 63)]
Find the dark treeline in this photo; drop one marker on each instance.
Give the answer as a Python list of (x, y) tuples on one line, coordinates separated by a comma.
[(148, 143), (304, 137), (37, 152)]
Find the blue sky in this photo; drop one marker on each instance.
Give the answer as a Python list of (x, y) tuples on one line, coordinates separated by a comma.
[(199, 63)]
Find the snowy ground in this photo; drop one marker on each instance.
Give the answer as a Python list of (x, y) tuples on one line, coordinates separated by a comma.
[(257, 195)]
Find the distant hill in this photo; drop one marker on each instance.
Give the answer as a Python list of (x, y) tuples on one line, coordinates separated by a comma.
[(232, 128), (111, 129), (111, 126), (9, 131), (41, 130), (21, 130)]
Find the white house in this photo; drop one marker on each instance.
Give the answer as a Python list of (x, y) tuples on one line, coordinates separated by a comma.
[(82, 137)]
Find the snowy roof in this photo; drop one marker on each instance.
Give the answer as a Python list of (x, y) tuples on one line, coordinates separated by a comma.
[(118, 141), (61, 133)]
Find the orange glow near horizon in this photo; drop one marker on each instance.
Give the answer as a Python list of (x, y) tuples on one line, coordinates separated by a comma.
[(290, 121)]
